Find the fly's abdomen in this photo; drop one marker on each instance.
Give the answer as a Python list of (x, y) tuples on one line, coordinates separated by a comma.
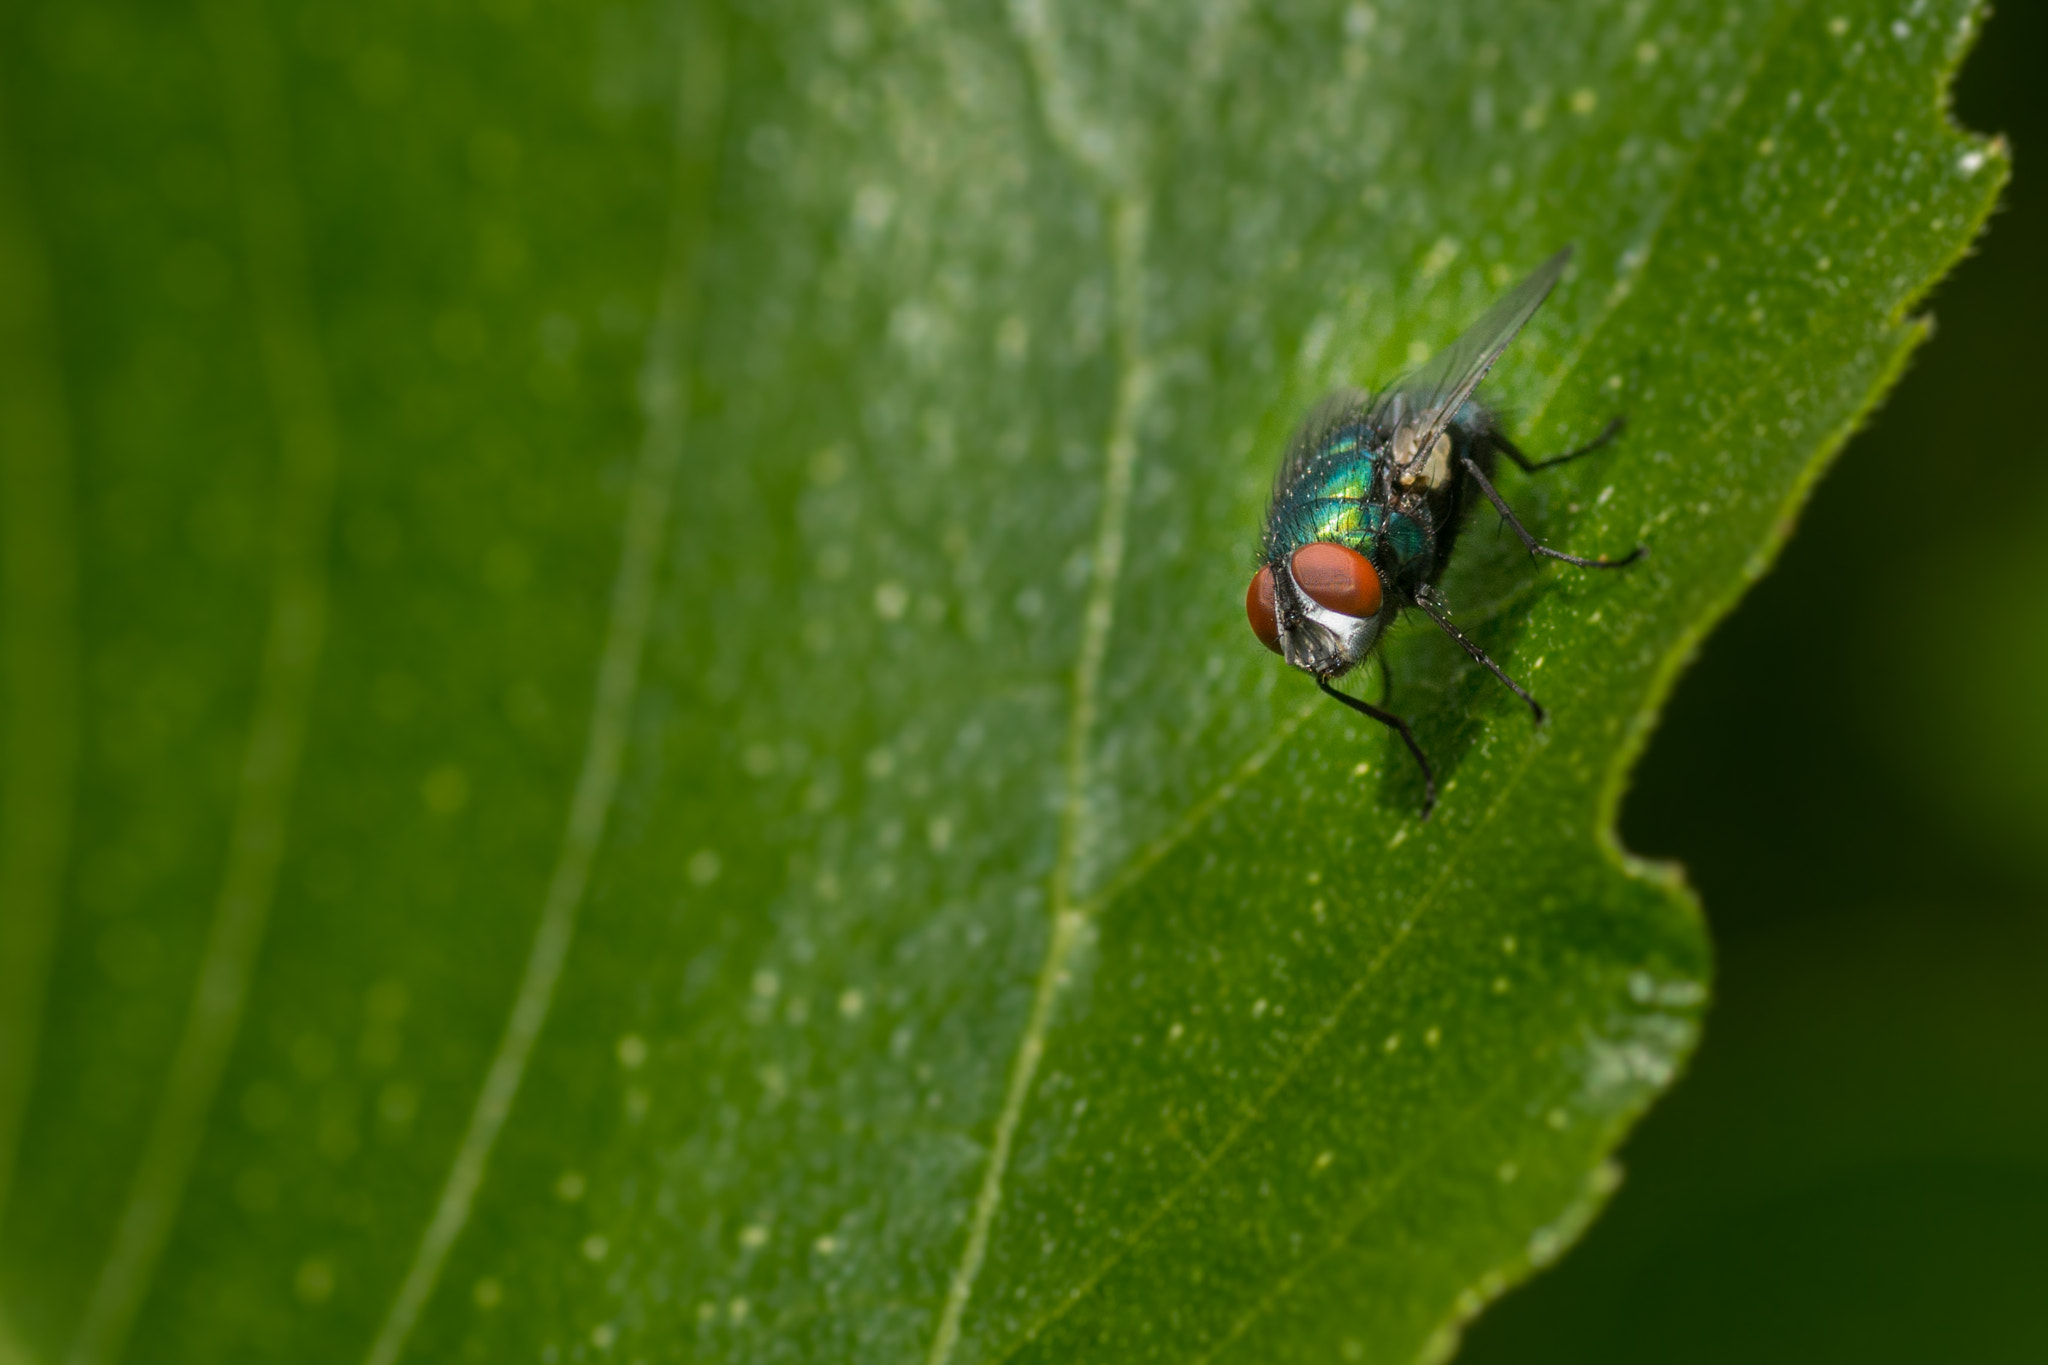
[(1409, 550)]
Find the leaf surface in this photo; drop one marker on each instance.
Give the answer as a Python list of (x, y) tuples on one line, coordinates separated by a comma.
[(666, 761)]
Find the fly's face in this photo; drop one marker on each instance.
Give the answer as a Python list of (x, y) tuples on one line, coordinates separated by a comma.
[(1319, 608)]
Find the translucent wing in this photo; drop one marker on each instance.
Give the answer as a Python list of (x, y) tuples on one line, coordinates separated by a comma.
[(1430, 397)]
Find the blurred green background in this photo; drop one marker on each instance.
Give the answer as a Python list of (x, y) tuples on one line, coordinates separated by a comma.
[(1855, 775)]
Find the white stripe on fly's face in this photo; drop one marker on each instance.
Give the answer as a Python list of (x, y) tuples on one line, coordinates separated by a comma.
[(1354, 635)]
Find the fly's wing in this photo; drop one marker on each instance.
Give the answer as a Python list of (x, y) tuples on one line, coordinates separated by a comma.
[(1432, 395), (1329, 417)]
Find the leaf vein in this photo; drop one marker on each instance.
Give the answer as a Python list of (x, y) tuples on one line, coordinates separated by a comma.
[(1381, 1193), (1070, 917), (664, 399), (1316, 1037), (295, 375), (1058, 110)]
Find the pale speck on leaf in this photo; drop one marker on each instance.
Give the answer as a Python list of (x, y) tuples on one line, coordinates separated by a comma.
[(892, 599)]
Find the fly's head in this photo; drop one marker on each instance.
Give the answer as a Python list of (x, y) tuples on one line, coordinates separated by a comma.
[(1320, 608)]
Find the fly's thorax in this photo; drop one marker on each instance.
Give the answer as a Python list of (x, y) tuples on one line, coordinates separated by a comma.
[(1397, 536), (1341, 521)]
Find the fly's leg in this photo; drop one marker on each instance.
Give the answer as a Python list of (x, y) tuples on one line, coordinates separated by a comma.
[(1537, 547), (1398, 726), (1509, 449), (1470, 647)]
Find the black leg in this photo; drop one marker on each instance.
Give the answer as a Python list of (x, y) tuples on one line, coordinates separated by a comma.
[(1386, 678), (1536, 547), (1476, 652), (1400, 727), (1508, 448)]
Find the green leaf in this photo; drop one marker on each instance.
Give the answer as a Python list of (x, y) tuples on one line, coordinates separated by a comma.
[(629, 731)]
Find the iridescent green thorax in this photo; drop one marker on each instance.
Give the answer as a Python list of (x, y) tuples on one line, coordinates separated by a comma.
[(1336, 495)]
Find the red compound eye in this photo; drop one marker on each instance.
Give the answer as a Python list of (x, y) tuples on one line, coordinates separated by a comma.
[(1338, 578), (1258, 605)]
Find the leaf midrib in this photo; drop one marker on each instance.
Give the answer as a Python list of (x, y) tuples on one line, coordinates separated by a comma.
[(1148, 858)]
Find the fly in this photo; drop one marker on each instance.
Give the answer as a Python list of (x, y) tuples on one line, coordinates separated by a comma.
[(1367, 505)]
